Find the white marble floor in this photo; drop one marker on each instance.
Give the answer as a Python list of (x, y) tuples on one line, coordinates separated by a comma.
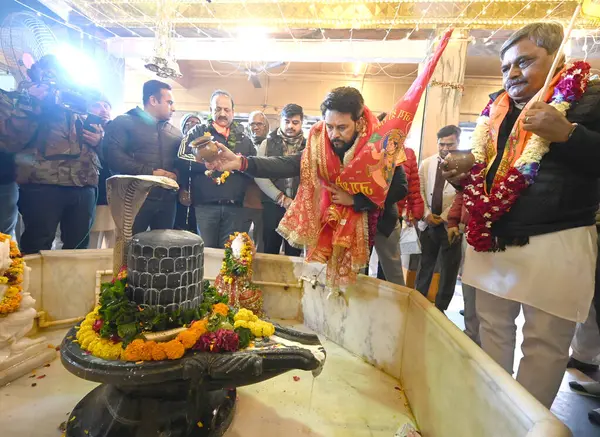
[(350, 398)]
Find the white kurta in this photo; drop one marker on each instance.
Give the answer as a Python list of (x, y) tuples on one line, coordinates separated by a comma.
[(555, 272)]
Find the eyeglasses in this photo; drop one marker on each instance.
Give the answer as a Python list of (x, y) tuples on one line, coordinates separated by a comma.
[(257, 124)]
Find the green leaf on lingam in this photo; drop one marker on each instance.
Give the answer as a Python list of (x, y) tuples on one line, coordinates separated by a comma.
[(245, 336)]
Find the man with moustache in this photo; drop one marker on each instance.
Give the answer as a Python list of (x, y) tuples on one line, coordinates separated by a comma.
[(346, 127), (143, 142), (542, 255), (218, 197), (278, 194), (437, 196)]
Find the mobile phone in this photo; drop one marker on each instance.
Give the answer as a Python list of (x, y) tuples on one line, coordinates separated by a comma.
[(90, 120)]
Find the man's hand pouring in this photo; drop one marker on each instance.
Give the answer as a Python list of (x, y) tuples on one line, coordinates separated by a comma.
[(225, 160)]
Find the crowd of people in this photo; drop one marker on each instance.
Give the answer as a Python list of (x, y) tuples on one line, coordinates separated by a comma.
[(54, 163)]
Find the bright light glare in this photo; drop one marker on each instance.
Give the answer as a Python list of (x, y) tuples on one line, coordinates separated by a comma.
[(358, 68), (81, 67), (253, 33)]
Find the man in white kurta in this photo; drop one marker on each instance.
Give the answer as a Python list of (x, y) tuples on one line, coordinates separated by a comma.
[(547, 260)]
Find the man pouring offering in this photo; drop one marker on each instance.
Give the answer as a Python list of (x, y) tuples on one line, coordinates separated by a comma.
[(346, 171)]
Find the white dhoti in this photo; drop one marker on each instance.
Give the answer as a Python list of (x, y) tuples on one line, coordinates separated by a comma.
[(552, 279)]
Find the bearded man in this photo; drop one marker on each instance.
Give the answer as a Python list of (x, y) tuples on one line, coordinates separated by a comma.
[(532, 196), (332, 146), (350, 177)]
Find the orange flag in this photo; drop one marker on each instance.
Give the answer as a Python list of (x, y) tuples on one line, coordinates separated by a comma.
[(371, 171)]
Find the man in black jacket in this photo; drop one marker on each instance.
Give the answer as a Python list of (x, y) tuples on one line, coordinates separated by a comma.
[(546, 243), (143, 142), (279, 167), (218, 197), (278, 194)]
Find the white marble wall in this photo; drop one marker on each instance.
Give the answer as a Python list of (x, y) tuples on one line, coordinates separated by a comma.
[(63, 281), (453, 387), (368, 319), (69, 280)]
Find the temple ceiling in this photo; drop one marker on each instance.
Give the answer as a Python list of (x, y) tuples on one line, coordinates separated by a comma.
[(312, 19)]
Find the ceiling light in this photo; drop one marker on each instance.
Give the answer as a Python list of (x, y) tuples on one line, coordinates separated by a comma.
[(253, 33), (358, 67)]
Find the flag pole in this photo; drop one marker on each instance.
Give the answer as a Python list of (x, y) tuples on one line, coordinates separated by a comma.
[(559, 52)]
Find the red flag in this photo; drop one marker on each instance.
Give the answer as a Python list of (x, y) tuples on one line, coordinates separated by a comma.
[(371, 172)]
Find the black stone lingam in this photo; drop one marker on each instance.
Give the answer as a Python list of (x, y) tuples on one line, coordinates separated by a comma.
[(194, 396), (165, 270)]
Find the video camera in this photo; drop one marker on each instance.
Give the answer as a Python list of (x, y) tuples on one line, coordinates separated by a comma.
[(69, 98), (62, 92)]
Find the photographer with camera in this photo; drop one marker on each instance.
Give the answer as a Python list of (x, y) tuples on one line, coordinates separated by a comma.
[(57, 158)]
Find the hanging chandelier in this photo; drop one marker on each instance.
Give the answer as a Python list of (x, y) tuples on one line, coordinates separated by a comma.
[(162, 62)]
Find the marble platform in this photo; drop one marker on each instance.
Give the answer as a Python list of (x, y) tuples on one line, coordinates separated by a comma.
[(387, 336), (350, 398)]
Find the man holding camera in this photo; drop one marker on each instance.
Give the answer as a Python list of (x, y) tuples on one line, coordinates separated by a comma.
[(57, 160)]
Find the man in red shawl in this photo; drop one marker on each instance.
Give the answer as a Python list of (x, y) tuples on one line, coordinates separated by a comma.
[(350, 162), (340, 235)]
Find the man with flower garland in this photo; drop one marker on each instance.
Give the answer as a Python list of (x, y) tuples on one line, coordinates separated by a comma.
[(218, 197), (532, 196)]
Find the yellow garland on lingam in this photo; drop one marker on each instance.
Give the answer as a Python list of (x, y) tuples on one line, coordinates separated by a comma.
[(143, 350), (13, 277), (139, 349)]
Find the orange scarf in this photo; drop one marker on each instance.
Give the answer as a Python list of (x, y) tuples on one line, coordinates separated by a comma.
[(518, 137)]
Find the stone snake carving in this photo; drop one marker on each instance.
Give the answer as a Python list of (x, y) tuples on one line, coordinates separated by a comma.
[(126, 194)]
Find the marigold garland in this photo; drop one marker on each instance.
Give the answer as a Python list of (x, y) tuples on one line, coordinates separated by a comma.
[(219, 180), (485, 208), (196, 337), (13, 278)]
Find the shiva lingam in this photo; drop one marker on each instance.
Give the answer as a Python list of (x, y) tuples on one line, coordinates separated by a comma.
[(166, 347)]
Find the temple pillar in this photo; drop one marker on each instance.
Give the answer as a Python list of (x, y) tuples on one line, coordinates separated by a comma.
[(440, 105)]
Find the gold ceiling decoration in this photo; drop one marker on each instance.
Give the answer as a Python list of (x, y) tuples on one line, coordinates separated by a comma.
[(332, 14)]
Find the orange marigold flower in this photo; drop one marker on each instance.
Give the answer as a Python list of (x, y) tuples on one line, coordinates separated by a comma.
[(174, 349), (220, 308), (188, 338), (201, 326), (134, 350), (158, 352), (147, 351)]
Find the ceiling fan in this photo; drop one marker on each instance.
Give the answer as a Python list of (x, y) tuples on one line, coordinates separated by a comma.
[(253, 72)]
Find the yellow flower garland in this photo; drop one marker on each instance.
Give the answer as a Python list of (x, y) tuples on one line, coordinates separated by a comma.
[(13, 277), (141, 350)]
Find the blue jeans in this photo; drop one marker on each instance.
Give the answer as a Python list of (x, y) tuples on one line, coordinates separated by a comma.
[(9, 213), (44, 207), (217, 222)]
